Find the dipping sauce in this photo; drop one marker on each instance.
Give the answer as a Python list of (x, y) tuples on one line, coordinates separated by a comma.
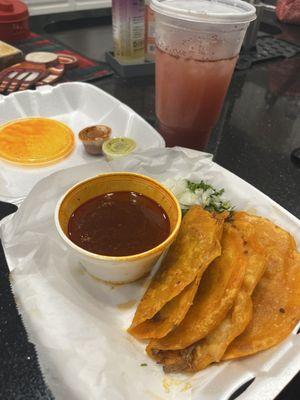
[(119, 224), (93, 138)]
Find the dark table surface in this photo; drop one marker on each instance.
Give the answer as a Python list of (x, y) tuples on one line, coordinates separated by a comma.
[(257, 131)]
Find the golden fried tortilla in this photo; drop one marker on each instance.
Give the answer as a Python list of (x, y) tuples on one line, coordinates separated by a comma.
[(276, 299), (217, 291), (213, 346), (174, 285), (171, 314)]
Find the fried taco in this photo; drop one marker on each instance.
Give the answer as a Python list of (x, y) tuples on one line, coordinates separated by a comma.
[(172, 290), (212, 348), (217, 291), (276, 299)]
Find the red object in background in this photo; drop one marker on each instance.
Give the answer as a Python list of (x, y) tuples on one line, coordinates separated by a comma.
[(13, 20), (288, 11)]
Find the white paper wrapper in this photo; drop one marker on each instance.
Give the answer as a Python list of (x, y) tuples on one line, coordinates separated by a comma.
[(78, 324)]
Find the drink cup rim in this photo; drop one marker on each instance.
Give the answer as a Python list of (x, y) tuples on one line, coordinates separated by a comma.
[(239, 12)]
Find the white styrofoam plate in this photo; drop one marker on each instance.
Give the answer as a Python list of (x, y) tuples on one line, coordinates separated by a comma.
[(78, 105), (78, 324)]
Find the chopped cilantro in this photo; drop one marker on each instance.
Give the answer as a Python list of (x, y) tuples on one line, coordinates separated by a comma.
[(144, 365), (193, 186), (213, 201), (190, 193)]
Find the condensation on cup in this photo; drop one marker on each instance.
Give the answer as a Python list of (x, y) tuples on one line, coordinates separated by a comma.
[(197, 46)]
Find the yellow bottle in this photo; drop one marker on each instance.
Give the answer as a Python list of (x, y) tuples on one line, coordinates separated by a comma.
[(129, 30)]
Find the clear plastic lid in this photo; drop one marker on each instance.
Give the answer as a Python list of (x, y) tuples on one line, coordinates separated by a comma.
[(216, 11)]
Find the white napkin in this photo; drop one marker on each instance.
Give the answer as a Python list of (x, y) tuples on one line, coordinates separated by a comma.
[(78, 324)]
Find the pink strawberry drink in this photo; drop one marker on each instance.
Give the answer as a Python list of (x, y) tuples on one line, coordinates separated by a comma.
[(197, 45)]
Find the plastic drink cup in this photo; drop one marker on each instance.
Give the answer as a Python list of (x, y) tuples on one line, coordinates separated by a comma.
[(197, 46)]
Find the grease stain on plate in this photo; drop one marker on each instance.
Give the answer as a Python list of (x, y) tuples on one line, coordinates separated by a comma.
[(127, 305), (153, 395), (169, 383)]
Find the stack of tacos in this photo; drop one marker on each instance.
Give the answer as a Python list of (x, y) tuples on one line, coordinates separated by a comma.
[(228, 287)]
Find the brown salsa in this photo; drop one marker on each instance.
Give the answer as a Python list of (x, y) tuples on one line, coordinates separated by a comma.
[(119, 224)]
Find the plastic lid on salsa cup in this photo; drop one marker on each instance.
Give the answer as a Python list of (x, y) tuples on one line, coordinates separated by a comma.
[(209, 11)]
